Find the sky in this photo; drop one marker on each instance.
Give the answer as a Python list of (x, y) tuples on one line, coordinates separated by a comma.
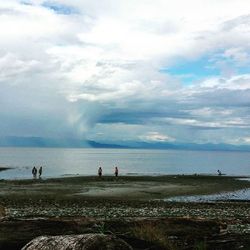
[(123, 70)]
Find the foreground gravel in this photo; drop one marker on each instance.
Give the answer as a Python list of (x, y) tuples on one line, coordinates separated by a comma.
[(235, 214)]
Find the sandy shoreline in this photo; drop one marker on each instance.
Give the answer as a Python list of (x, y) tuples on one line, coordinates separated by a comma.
[(133, 196), (124, 187)]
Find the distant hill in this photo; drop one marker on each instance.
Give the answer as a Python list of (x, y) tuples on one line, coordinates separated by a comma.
[(190, 146), (94, 144), (15, 141)]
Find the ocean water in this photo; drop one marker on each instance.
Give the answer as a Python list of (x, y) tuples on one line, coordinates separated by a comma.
[(64, 162)]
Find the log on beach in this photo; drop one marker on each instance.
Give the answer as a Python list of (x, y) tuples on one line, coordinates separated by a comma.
[(77, 242), (14, 234)]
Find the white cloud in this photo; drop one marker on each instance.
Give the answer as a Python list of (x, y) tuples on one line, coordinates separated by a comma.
[(107, 58), (210, 112), (238, 55), (12, 67), (219, 123), (239, 140), (156, 137), (246, 140)]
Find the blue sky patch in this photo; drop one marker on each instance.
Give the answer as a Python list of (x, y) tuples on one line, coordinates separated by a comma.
[(213, 65), (190, 71), (60, 8)]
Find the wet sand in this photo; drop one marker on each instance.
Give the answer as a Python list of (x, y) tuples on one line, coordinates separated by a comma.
[(121, 188)]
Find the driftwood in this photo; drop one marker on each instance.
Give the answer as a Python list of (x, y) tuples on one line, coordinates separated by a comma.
[(77, 242), (185, 232)]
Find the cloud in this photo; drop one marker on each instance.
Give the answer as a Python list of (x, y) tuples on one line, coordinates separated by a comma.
[(13, 67), (93, 69), (246, 140), (240, 141), (156, 137)]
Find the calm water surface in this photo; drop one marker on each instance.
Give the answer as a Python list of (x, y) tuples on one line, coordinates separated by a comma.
[(58, 162)]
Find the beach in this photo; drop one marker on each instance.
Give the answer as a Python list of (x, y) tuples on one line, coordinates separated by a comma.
[(126, 198), (123, 187)]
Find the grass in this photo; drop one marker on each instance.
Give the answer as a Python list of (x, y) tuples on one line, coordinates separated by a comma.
[(201, 245), (153, 234)]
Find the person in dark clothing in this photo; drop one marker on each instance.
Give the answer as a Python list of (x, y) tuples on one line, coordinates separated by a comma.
[(40, 172), (34, 172), (100, 172), (116, 171)]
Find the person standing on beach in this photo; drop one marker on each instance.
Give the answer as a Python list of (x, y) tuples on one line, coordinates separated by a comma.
[(116, 171), (100, 172), (34, 172), (40, 172)]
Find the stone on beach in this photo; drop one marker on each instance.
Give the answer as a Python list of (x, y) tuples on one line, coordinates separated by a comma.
[(77, 242)]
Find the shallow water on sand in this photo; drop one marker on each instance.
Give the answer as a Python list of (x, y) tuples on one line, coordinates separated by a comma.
[(243, 194), (65, 162)]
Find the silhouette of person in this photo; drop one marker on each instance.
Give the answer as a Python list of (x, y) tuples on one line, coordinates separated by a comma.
[(116, 171), (34, 172), (40, 172), (100, 172), (219, 172)]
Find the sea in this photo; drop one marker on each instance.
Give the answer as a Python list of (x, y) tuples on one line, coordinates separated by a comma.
[(59, 162)]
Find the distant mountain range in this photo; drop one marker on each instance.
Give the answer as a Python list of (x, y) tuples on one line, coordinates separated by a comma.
[(190, 146), (14, 141)]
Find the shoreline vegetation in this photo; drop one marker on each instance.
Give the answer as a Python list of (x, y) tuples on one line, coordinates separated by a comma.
[(130, 207)]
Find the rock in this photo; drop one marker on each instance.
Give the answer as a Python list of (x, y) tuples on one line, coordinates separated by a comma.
[(77, 242)]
